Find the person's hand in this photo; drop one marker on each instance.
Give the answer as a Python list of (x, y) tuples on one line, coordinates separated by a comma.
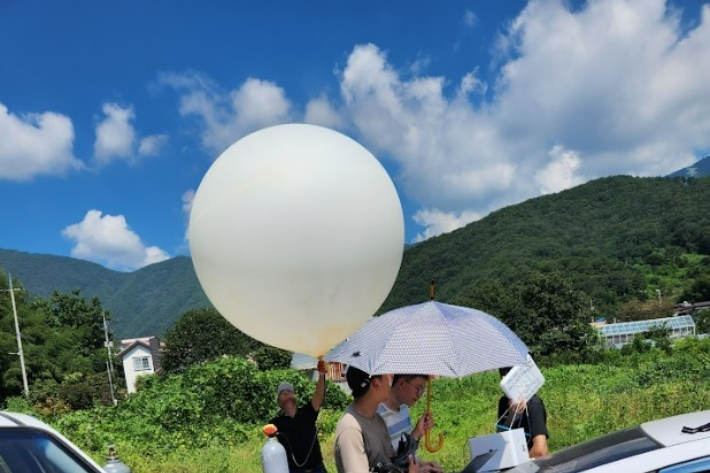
[(430, 467), (424, 424), (539, 446), (428, 421), (519, 406), (322, 366), (413, 466)]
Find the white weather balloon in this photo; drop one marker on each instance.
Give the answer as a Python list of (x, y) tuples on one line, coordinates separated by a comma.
[(296, 234)]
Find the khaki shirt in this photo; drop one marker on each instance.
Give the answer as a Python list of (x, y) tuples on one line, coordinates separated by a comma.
[(361, 442)]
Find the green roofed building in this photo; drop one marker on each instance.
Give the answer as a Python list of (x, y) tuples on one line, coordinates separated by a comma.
[(618, 335)]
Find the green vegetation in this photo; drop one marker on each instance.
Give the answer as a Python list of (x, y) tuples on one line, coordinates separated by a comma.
[(619, 247), (615, 239), (209, 417), (144, 302), (544, 310), (63, 343), (203, 335)]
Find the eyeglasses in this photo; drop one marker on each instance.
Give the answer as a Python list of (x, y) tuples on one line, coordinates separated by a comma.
[(419, 389)]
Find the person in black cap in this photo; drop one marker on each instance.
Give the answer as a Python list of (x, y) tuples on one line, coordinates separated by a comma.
[(297, 426)]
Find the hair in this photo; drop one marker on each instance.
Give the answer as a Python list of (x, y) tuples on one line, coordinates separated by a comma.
[(408, 377), (359, 381)]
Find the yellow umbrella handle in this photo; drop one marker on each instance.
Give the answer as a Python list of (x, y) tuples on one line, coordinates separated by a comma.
[(431, 448)]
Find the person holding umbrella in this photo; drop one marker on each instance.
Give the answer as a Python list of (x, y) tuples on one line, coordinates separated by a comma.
[(362, 443), (405, 392), (451, 341), (296, 426)]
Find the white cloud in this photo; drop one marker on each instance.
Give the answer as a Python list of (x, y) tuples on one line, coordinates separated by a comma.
[(470, 19), (559, 174), (320, 112), (619, 82), (420, 64), (187, 198), (35, 144), (227, 116), (436, 222), (471, 83), (108, 240), (116, 137), (151, 145), (115, 134), (450, 154)]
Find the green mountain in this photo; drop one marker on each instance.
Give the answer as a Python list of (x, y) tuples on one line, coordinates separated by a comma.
[(616, 239), (144, 302), (699, 169)]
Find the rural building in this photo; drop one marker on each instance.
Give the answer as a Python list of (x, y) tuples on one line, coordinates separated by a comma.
[(619, 334), (302, 362), (140, 356)]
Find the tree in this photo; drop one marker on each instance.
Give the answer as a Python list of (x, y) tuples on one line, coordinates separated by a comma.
[(272, 358), (550, 316), (200, 335), (660, 336), (86, 317), (645, 310), (62, 339), (699, 291), (702, 321), (543, 309)]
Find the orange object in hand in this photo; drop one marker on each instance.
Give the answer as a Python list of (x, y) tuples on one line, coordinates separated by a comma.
[(322, 366), (270, 430)]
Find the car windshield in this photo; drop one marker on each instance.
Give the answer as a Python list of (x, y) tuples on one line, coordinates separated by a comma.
[(593, 453), (27, 450)]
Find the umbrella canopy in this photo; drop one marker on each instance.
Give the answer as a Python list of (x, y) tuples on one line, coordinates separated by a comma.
[(433, 339)]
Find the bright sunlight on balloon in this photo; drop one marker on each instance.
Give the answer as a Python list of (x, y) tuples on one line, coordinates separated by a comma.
[(296, 235)]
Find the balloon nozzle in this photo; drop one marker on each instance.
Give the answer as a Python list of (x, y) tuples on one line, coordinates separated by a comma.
[(270, 430)]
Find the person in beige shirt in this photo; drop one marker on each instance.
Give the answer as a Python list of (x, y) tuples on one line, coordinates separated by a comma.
[(361, 437)]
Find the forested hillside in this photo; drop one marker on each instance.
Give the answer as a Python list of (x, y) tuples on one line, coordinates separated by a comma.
[(616, 239), (144, 302)]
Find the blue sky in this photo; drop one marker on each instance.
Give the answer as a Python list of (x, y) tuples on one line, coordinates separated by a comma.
[(112, 112)]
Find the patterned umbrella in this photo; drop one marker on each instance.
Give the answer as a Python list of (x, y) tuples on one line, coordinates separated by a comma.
[(432, 339)]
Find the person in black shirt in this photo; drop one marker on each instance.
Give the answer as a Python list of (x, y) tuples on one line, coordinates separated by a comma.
[(297, 427), (530, 416)]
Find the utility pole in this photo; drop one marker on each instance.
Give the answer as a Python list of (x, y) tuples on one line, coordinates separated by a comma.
[(109, 363), (19, 338)]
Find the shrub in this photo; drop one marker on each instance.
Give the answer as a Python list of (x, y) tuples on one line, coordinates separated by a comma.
[(272, 358)]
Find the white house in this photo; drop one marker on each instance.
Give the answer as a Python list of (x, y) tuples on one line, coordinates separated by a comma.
[(140, 356)]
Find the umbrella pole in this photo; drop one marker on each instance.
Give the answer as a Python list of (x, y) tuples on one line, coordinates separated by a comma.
[(431, 448)]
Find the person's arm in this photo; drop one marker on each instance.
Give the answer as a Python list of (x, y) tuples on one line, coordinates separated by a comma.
[(539, 447), (538, 427), (350, 447), (425, 422), (319, 395)]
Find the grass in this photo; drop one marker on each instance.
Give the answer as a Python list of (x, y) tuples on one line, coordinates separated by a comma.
[(582, 402)]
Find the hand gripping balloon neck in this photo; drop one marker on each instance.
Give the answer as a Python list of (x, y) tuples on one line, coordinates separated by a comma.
[(427, 443), (322, 366)]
